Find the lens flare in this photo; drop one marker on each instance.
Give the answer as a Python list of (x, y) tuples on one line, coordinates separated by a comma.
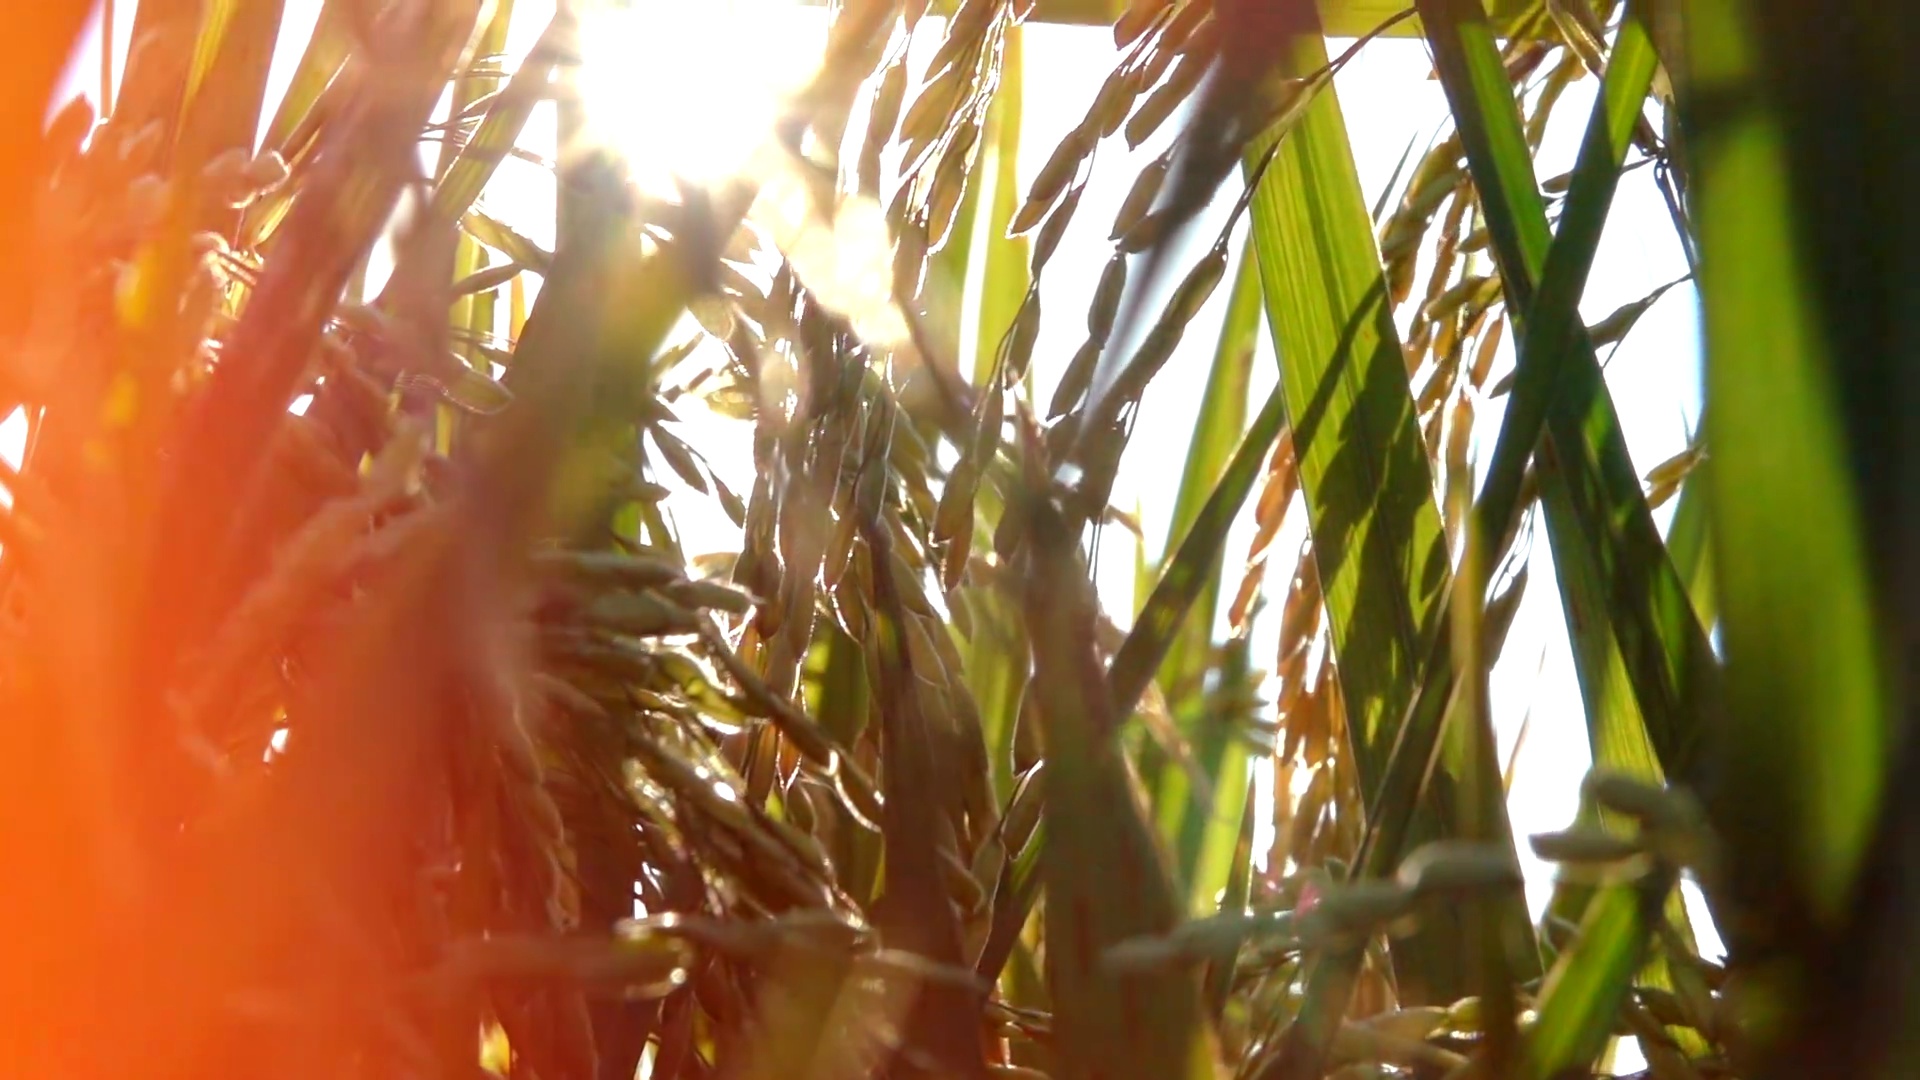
[(692, 88)]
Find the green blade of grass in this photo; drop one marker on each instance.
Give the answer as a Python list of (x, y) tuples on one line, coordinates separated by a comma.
[(1557, 380), (1187, 575), (1181, 804), (1467, 748), (1580, 1001), (515, 245), (1013, 899), (472, 85), (1377, 536), (1645, 671), (841, 703), (326, 50), (465, 173), (1500, 498), (1689, 541), (315, 90), (1143, 576), (1233, 901), (1004, 278), (1199, 812), (490, 143), (603, 314), (994, 658), (1216, 433), (467, 255), (1199, 806), (1802, 200), (1616, 734), (1378, 542), (1807, 709)]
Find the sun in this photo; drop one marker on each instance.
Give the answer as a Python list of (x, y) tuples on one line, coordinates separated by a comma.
[(692, 88)]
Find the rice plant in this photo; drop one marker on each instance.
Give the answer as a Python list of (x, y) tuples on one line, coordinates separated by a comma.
[(363, 711)]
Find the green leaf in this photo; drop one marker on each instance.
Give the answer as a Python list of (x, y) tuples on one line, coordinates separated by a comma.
[(1580, 1001), (474, 84), (1616, 733), (1233, 901), (1689, 542), (484, 279), (1188, 572), (1216, 433), (1378, 543), (1377, 536), (604, 312), (1197, 804), (1808, 721), (1645, 672), (1013, 900), (1200, 812), (326, 50), (994, 658), (463, 177), (1672, 671), (1004, 279), (496, 234), (467, 255), (842, 708), (1617, 737)]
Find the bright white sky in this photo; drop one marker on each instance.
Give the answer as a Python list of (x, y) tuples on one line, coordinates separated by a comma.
[(684, 79)]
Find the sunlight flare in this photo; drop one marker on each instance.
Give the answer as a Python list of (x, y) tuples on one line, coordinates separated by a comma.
[(692, 89), (705, 110)]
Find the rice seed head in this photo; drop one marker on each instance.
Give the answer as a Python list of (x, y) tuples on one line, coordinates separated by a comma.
[(1053, 178), (1055, 228), (1139, 200)]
